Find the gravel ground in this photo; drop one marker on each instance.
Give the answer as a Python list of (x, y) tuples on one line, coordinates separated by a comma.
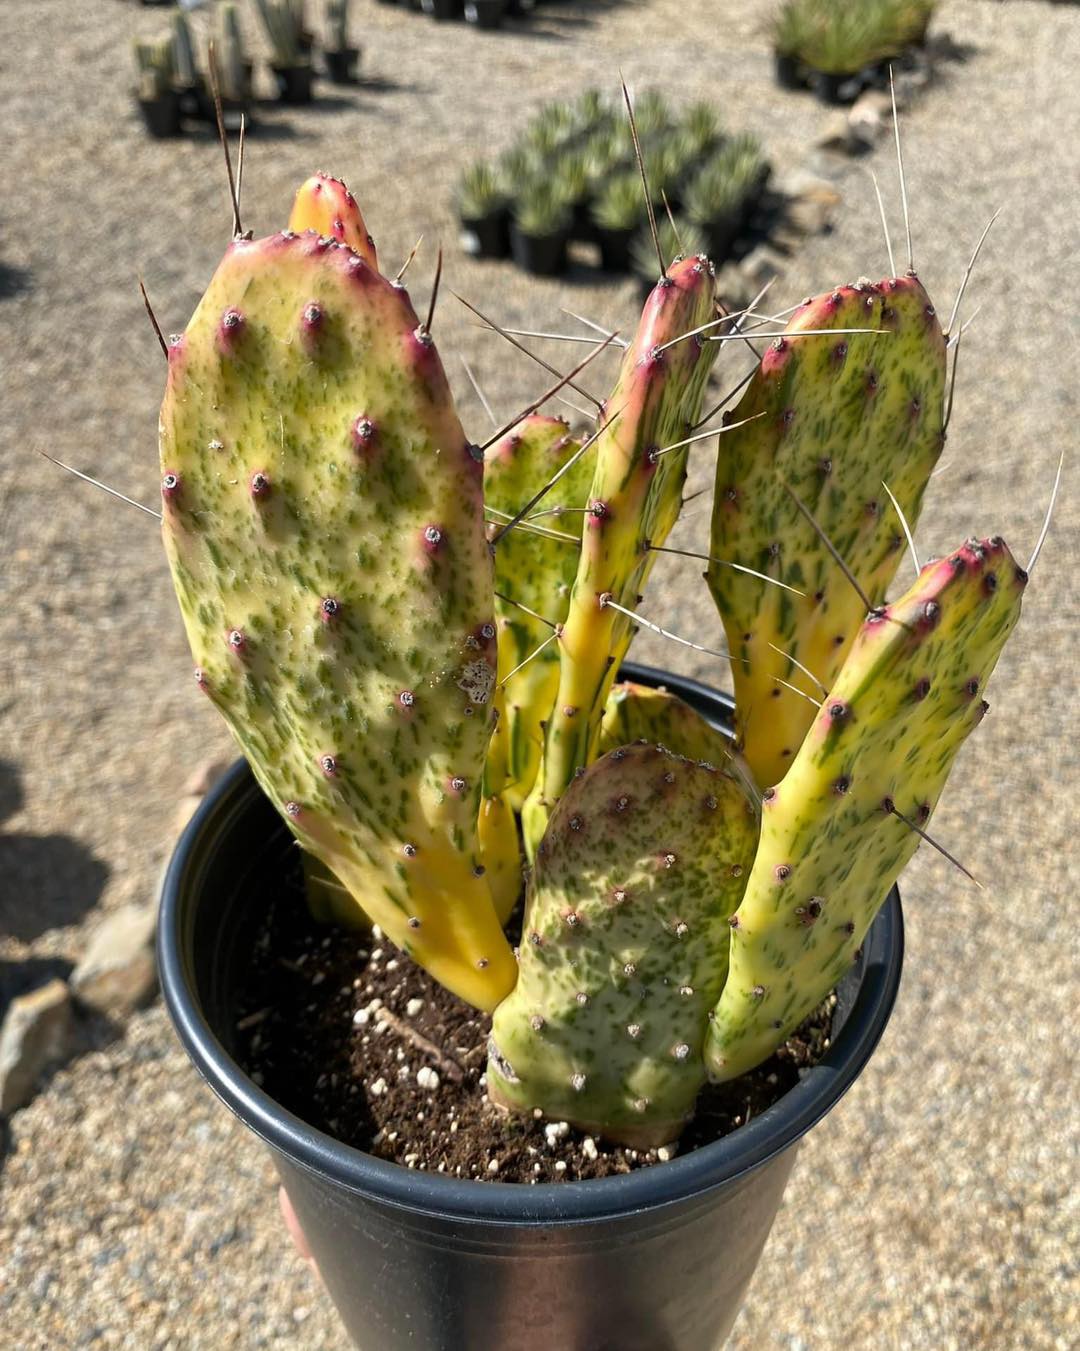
[(933, 1209)]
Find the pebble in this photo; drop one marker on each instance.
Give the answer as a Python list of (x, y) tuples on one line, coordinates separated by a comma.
[(118, 972), (378, 1088), (361, 1018), (493, 1166), (556, 1131), (413, 1007), (560, 1166), (588, 1148), (426, 1077), (664, 1153), (37, 1030)]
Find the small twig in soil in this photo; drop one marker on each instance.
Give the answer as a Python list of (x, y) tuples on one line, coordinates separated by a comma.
[(446, 1063)]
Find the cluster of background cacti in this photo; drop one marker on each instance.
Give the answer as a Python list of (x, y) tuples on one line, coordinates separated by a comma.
[(841, 38), (411, 661), (572, 174), (174, 65), (169, 69)]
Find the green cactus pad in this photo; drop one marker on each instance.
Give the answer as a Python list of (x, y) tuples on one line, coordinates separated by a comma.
[(651, 713), (323, 519), (537, 571), (625, 946), (634, 500), (831, 844), (833, 418)]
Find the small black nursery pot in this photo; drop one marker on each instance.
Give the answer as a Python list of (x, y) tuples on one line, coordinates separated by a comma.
[(294, 84), (162, 116), (341, 65), (655, 1260), (542, 255)]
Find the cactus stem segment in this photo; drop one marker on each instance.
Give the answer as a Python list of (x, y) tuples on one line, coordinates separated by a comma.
[(654, 455)]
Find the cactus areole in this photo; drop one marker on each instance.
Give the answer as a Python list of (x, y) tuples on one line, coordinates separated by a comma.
[(426, 695)]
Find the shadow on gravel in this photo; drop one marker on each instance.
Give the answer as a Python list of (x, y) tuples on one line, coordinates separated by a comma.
[(45, 881), (265, 131), (14, 280), (11, 793)]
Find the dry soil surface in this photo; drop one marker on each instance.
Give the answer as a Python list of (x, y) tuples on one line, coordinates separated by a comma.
[(933, 1208)]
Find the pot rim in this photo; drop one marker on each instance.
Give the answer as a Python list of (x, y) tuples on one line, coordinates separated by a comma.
[(679, 1179)]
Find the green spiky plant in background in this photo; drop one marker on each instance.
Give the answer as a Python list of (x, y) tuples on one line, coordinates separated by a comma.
[(414, 639)]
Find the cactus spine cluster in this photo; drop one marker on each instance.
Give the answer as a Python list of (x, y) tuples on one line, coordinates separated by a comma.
[(411, 663)]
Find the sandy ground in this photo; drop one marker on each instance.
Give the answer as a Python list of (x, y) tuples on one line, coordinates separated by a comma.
[(933, 1209)]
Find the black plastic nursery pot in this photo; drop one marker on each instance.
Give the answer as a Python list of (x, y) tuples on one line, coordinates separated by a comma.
[(788, 70), (442, 10), (653, 1260), (721, 234), (487, 236), (162, 116), (485, 13), (341, 65), (542, 255), (615, 247), (835, 88), (294, 84)]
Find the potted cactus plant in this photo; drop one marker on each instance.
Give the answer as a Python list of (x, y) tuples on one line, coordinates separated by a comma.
[(484, 211), (618, 213), (414, 640), (156, 94), (721, 197), (341, 58), (283, 21), (540, 228), (234, 69)]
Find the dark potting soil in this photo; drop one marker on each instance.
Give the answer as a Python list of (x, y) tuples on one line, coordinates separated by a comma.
[(350, 1035)]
